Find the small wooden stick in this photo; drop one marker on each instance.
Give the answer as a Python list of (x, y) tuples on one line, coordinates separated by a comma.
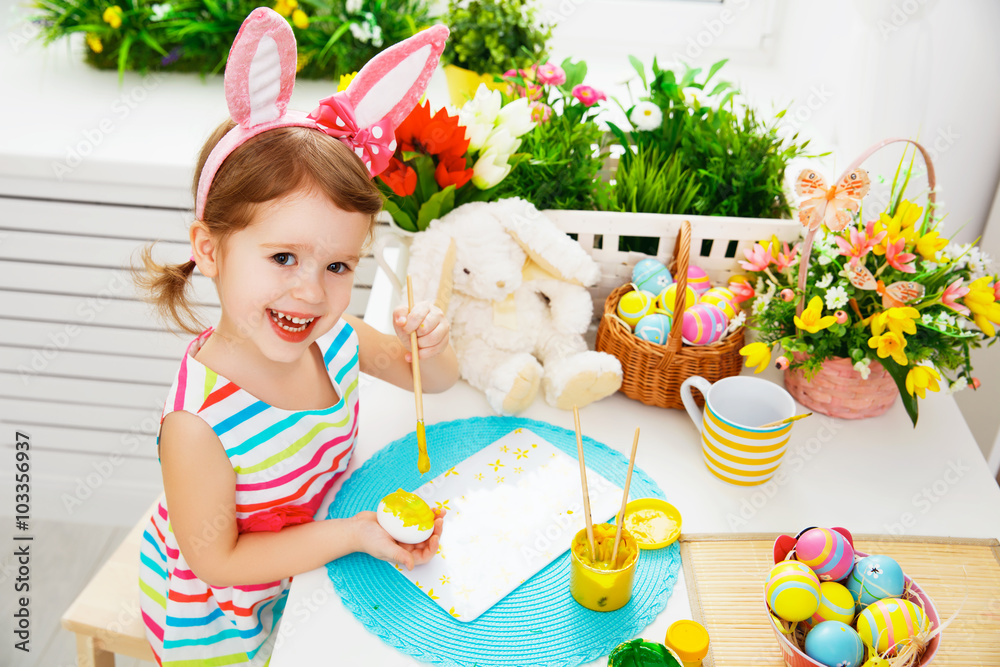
[(583, 481), (787, 420), (621, 514), (423, 461)]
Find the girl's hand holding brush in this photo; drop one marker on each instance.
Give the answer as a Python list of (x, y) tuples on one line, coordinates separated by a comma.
[(438, 364)]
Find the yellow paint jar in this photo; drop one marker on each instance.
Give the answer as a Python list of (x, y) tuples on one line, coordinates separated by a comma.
[(597, 583), (689, 639)]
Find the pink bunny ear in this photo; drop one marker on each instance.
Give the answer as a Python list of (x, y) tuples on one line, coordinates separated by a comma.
[(260, 72), (391, 84)]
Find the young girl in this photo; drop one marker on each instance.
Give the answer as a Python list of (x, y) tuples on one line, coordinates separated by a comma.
[(262, 417)]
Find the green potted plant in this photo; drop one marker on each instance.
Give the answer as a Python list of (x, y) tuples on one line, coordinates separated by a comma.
[(692, 151), (487, 36)]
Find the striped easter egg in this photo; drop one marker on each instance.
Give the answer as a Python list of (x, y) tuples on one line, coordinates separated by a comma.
[(654, 327), (888, 625), (723, 298), (792, 591), (666, 299), (874, 578), (827, 552), (650, 275), (835, 604), (835, 644), (698, 280), (703, 324), (634, 305)]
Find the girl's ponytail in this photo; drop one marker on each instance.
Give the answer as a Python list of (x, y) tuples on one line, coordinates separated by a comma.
[(165, 286)]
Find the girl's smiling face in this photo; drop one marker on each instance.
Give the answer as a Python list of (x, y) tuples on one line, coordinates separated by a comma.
[(297, 260)]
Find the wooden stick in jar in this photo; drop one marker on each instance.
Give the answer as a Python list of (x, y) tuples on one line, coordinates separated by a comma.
[(621, 513), (583, 482)]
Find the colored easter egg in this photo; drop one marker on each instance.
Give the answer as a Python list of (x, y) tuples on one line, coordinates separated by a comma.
[(827, 552), (792, 591), (633, 306), (835, 644), (888, 625), (835, 604), (723, 298), (703, 324), (667, 298), (650, 275), (874, 578), (698, 280), (654, 327)]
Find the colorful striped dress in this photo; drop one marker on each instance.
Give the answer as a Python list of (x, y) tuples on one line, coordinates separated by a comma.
[(285, 462)]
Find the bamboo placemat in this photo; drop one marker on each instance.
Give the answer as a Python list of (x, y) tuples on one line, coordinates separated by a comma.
[(725, 576)]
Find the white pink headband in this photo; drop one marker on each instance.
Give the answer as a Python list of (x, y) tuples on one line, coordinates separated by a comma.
[(260, 75)]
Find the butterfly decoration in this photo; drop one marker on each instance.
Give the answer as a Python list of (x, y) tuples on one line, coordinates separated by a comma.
[(830, 206), (894, 295)]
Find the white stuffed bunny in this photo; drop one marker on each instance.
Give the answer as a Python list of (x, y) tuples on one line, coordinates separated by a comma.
[(514, 289)]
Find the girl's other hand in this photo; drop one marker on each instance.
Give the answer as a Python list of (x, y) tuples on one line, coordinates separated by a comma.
[(430, 324), (374, 541)]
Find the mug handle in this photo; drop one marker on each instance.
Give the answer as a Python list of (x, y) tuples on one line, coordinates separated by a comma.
[(702, 385), (381, 241)]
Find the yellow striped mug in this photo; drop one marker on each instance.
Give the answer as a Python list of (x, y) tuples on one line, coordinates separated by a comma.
[(737, 450)]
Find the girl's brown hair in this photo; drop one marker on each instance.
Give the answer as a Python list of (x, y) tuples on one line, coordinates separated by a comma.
[(267, 167)]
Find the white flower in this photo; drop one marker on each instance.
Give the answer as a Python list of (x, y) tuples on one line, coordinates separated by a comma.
[(863, 367), (516, 117), (353, 6), (836, 297), (376, 35), (646, 116), (360, 32), (738, 321), (489, 170), (762, 301), (160, 10), (484, 105), (824, 259), (502, 143), (825, 281), (958, 385)]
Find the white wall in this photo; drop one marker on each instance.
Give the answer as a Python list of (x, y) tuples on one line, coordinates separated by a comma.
[(851, 73)]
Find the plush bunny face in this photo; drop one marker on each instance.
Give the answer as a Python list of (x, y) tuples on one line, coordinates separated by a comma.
[(488, 261)]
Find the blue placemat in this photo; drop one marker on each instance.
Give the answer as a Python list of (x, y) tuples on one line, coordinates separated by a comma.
[(537, 624)]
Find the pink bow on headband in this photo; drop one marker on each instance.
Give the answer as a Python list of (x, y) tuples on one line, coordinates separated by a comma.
[(374, 144)]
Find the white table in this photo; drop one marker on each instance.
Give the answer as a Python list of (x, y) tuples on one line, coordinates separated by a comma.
[(873, 476)]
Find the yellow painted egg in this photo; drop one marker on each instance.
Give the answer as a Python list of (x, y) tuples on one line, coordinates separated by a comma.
[(723, 298), (888, 625), (634, 305), (668, 298), (406, 517), (792, 591), (836, 604)]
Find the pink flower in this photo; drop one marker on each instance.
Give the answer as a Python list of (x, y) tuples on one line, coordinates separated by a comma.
[(899, 260), (952, 292), (588, 95), (741, 289), (861, 243), (540, 112), (550, 75), (759, 258), (784, 259), (530, 89)]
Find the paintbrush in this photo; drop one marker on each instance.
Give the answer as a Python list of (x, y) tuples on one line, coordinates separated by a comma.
[(788, 420), (583, 482), (423, 461), (621, 514)]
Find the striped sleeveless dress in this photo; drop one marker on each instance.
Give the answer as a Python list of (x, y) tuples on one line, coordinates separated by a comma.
[(285, 462)]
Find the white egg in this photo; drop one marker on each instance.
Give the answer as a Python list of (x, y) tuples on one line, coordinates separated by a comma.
[(406, 517)]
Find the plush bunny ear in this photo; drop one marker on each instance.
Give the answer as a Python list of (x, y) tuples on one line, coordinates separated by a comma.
[(547, 245), (391, 83), (260, 72)]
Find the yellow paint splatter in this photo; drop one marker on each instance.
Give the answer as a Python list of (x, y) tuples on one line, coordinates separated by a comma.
[(451, 471), (522, 453), (445, 579), (479, 477), (409, 508), (432, 596), (518, 430), (499, 479), (518, 470), (454, 613), (496, 466), (443, 505), (503, 448)]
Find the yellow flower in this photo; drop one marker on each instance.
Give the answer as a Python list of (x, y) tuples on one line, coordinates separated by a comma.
[(113, 16), (901, 225), (811, 320), (898, 320), (300, 19), (889, 344), (286, 7), (920, 379), (301, 61), (757, 354), (94, 42), (981, 300), (929, 245), (345, 81)]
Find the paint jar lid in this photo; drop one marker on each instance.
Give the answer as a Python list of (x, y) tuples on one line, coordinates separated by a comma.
[(689, 639)]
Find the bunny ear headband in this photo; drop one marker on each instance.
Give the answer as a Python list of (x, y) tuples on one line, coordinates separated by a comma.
[(260, 75)]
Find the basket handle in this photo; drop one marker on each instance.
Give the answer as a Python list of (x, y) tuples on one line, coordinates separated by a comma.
[(682, 251), (808, 242)]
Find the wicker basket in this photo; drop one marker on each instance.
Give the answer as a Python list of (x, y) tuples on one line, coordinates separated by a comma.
[(653, 373), (839, 391)]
